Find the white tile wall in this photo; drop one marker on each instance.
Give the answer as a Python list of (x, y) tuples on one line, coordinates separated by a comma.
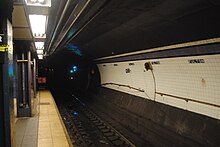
[(173, 76)]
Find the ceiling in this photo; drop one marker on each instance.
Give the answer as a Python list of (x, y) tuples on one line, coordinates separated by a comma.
[(21, 28), (112, 27), (23, 36)]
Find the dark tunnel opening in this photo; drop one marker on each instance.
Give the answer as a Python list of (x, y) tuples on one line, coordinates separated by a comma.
[(73, 74)]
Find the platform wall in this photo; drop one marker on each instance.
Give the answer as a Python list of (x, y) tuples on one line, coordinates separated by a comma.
[(157, 123), (190, 83)]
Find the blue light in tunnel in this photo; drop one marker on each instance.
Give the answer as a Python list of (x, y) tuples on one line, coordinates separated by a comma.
[(71, 71), (71, 33), (75, 113), (74, 48), (75, 68)]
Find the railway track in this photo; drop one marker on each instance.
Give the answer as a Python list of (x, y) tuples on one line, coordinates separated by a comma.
[(86, 129)]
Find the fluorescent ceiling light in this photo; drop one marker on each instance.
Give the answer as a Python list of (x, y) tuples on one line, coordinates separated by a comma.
[(33, 1), (40, 52), (38, 25), (39, 45), (40, 56), (39, 3)]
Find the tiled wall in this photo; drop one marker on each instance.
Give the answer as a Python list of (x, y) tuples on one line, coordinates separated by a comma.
[(190, 83)]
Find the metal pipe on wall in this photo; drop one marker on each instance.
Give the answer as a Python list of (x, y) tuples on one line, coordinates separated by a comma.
[(23, 102), (29, 80), (34, 77)]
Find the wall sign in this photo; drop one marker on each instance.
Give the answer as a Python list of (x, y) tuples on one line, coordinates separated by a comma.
[(4, 48), (1, 39), (196, 61), (155, 62)]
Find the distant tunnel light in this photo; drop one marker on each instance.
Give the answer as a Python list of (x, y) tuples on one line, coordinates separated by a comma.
[(38, 25), (39, 45), (40, 56), (40, 52), (71, 71), (75, 68)]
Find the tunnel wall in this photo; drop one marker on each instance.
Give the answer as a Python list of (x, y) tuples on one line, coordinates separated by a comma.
[(173, 102), (190, 83), (162, 125)]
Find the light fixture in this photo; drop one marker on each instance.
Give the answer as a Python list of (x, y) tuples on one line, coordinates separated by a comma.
[(41, 1), (39, 45), (38, 25), (40, 52), (33, 1), (40, 56)]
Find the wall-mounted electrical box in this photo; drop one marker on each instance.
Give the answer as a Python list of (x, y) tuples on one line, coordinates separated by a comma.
[(148, 66)]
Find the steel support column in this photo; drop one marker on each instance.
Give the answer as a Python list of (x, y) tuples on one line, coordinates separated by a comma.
[(24, 85), (6, 84), (34, 77)]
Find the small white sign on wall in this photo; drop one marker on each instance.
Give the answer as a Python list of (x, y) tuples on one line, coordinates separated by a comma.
[(1, 38)]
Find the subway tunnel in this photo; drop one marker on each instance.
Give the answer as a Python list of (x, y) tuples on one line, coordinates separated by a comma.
[(146, 71)]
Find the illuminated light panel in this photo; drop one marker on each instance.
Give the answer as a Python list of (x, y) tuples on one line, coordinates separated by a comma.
[(39, 45), (40, 51), (41, 3), (40, 56), (38, 25), (33, 1)]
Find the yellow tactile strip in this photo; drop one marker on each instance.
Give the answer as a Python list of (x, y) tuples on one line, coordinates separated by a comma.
[(50, 129)]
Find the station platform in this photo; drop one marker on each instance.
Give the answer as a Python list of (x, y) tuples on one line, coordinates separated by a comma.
[(45, 129)]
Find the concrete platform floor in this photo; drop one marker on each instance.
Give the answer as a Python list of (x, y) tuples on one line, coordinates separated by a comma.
[(44, 129)]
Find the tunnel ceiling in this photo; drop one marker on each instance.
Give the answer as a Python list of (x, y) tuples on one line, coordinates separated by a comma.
[(119, 26)]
